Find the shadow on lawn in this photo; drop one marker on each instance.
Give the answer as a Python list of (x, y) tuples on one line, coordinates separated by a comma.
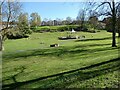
[(58, 51), (94, 39), (21, 70), (73, 73), (91, 45)]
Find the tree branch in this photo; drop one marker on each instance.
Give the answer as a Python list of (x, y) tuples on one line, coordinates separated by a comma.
[(100, 5), (117, 7), (103, 3), (5, 28), (2, 3)]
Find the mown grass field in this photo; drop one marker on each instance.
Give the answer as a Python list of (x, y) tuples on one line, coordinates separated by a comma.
[(87, 63)]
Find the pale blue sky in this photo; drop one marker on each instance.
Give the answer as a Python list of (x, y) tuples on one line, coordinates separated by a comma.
[(53, 10)]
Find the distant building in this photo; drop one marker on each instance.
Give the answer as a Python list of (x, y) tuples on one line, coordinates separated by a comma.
[(55, 22), (43, 23)]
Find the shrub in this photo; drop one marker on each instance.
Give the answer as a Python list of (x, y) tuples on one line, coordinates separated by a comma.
[(58, 28), (16, 36)]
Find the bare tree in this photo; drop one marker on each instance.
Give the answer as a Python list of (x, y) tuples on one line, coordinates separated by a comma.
[(68, 20), (84, 13), (35, 19), (10, 11), (110, 9), (81, 17)]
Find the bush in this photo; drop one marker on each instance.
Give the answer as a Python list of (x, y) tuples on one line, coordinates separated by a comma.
[(58, 28), (17, 36), (61, 29)]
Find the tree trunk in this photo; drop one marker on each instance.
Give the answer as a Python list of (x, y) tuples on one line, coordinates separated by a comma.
[(113, 25), (0, 43), (119, 33)]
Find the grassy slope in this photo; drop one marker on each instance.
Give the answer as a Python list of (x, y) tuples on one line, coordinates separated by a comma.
[(29, 64)]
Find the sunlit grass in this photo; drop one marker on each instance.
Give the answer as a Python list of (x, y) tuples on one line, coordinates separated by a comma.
[(27, 59)]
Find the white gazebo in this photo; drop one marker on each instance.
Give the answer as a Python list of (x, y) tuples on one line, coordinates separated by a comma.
[(73, 31)]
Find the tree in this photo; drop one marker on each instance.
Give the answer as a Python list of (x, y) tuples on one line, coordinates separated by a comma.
[(93, 20), (81, 17), (110, 9), (35, 20), (59, 21), (83, 14), (64, 22), (44, 22), (108, 22), (23, 24), (50, 22), (69, 20), (1, 24), (10, 10), (118, 21)]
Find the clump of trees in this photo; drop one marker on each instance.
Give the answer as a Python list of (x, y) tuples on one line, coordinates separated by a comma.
[(24, 25), (14, 23), (9, 11), (21, 29)]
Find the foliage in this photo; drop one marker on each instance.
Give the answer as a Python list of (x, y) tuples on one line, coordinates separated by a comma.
[(10, 12), (22, 28), (23, 24), (35, 20), (16, 33), (93, 20), (68, 20), (59, 28)]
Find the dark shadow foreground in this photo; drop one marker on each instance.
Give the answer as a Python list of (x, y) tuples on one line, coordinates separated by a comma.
[(94, 74)]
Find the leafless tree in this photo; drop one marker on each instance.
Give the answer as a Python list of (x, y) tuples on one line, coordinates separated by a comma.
[(35, 19), (83, 13), (69, 20), (10, 10), (81, 17), (110, 9)]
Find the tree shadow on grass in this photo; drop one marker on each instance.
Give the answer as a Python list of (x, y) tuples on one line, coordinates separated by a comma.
[(13, 77), (57, 52), (78, 72), (94, 39), (91, 45), (64, 81)]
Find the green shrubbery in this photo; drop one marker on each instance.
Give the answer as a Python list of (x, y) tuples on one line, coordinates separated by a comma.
[(63, 28), (22, 32), (56, 28), (17, 33)]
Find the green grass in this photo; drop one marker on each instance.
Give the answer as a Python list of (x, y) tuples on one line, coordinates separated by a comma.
[(86, 63)]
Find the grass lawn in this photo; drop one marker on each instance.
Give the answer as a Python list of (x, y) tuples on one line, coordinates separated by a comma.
[(87, 63)]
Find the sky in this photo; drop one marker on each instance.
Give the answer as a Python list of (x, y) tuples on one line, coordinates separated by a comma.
[(53, 10)]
